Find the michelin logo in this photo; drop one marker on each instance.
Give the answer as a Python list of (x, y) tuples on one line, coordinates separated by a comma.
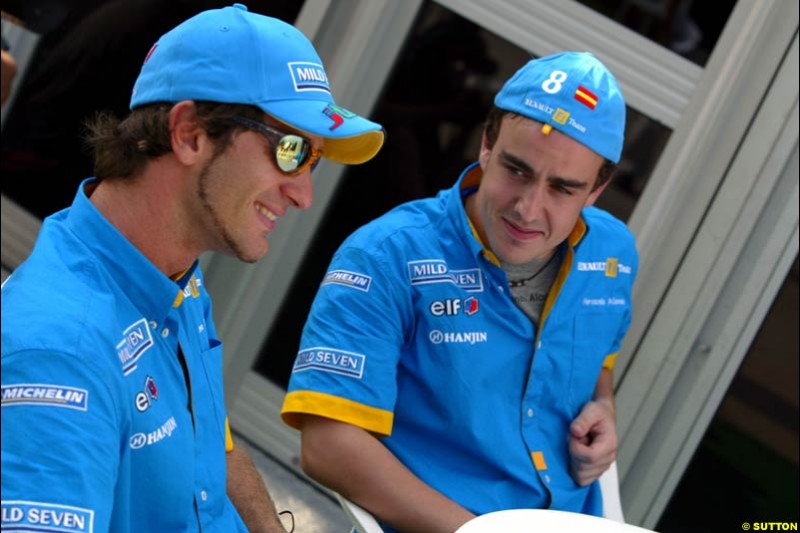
[(41, 394), (136, 340), (20, 515), (308, 76), (436, 271), (348, 279), (330, 360)]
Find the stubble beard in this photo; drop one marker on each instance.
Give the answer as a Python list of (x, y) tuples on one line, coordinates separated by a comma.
[(233, 247)]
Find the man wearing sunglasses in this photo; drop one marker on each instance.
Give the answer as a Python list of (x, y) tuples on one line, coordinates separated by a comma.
[(112, 398), (468, 369)]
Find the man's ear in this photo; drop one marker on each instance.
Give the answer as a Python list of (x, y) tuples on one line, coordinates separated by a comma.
[(595, 194), (483, 157), (188, 137)]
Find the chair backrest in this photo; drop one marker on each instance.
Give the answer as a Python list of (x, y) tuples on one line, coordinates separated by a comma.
[(609, 487), (364, 522)]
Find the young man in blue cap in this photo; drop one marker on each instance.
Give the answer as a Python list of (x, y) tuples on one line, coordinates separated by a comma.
[(113, 408), (457, 359)]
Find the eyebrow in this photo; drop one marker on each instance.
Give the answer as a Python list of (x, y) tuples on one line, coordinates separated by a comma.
[(559, 181)]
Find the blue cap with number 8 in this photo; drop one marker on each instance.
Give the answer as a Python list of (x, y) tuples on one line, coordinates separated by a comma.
[(574, 93)]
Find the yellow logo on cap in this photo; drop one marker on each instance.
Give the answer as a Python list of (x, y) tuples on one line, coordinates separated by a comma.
[(560, 116), (612, 266)]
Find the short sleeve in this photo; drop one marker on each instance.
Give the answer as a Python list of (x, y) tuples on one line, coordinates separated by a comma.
[(61, 443), (346, 366)]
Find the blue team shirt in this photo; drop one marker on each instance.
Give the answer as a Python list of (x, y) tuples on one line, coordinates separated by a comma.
[(97, 431), (413, 335)]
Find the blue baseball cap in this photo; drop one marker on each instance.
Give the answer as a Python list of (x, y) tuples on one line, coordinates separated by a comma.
[(230, 55), (574, 93)]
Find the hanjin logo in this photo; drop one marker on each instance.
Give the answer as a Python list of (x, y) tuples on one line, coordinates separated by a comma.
[(460, 337), (139, 440)]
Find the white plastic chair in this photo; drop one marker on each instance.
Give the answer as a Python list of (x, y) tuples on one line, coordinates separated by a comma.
[(364, 522)]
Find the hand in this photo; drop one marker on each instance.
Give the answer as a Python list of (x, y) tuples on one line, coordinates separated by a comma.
[(592, 442)]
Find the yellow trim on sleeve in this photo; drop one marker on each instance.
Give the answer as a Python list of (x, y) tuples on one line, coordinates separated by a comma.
[(609, 361), (228, 436), (321, 404), (538, 460)]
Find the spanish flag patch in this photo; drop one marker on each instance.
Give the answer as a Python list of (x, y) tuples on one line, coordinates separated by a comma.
[(586, 97)]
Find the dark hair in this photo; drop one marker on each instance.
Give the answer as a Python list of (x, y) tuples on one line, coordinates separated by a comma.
[(492, 129), (122, 148)]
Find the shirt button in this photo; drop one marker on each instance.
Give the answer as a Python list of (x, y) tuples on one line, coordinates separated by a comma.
[(547, 478), (153, 324), (165, 332), (539, 345), (530, 413), (203, 495)]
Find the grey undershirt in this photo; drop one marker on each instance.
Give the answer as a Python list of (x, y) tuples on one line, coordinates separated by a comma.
[(531, 296)]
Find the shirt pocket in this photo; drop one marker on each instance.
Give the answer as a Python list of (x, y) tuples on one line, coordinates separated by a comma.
[(593, 339), (211, 361)]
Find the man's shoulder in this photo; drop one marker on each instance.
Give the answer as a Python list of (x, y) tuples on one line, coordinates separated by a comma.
[(605, 228), (59, 305), (409, 223)]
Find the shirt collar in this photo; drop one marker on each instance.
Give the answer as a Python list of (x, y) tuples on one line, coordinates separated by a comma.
[(136, 276)]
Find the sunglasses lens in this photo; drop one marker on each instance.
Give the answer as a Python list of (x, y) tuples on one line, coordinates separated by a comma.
[(291, 152)]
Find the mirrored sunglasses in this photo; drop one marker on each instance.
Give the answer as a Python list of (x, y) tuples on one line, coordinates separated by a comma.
[(292, 153)]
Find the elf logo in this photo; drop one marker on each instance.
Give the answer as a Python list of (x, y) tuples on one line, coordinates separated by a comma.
[(454, 306)]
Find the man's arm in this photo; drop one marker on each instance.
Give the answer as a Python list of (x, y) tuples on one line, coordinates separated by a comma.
[(593, 434), (356, 464), (249, 495)]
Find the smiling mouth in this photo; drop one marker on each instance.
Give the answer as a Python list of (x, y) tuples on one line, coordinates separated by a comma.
[(520, 233), (266, 212)]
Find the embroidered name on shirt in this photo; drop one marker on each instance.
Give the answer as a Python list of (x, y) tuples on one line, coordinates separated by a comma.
[(603, 301)]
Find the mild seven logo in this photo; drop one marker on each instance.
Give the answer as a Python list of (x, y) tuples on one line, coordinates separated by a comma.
[(136, 340), (330, 360), (436, 271), (308, 76)]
